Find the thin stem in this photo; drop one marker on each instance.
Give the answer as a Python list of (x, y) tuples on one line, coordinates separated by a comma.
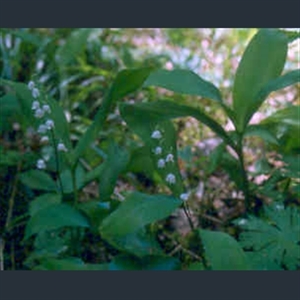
[(11, 200), (244, 174), (74, 186), (185, 209), (56, 160)]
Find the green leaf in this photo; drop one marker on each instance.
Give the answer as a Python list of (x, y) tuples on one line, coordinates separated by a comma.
[(127, 262), (114, 164), (292, 35), (163, 110), (287, 116), (126, 82), (54, 217), (262, 62), (135, 212), (285, 125), (139, 243), (262, 132), (278, 236), (184, 82), (43, 202), (222, 251), (278, 83), (38, 180)]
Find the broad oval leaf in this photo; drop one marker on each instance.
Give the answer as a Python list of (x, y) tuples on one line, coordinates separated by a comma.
[(262, 62), (54, 217), (43, 202), (135, 212), (38, 180), (184, 82), (222, 251)]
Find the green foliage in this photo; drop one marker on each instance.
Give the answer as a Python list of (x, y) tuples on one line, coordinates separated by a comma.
[(184, 82), (77, 215), (53, 217), (137, 211), (222, 251), (38, 180), (115, 163), (262, 62), (126, 82), (274, 240)]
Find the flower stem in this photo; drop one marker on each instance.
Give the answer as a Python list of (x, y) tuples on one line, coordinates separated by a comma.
[(185, 209), (73, 173), (244, 175), (56, 161)]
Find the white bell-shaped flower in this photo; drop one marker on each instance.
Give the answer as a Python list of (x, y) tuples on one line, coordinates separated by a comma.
[(161, 163), (35, 93), (62, 147), (171, 179), (41, 164), (39, 113), (156, 135)]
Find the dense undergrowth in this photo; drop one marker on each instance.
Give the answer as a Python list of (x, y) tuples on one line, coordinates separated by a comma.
[(156, 149)]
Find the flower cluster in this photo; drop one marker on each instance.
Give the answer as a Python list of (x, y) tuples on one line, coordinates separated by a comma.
[(40, 111), (161, 163)]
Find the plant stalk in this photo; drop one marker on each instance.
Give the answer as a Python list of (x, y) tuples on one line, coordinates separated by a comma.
[(246, 190), (57, 161)]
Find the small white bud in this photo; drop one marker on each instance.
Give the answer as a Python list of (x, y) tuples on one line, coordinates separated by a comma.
[(46, 108), (279, 207), (161, 163), (42, 129), (39, 113), (156, 135), (49, 124), (44, 140), (41, 164), (171, 179), (61, 147), (31, 85), (170, 158), (158, 150), (184, 197), (35, 105), (35, 93), (242, 222)]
